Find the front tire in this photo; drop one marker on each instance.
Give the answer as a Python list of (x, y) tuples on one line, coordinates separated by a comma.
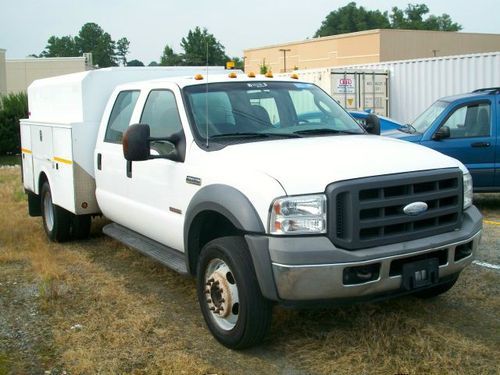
[(56, 220), (234, 309)]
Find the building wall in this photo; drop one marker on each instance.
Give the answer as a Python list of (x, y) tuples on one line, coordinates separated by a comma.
[(411, 44), (3, 74), (22, 72), (354, 48), (369, 46)]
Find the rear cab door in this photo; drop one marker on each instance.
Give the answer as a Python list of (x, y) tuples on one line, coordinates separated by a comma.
[(112, 183), (473, 137)]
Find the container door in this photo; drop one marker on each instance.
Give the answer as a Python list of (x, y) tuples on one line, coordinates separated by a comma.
[(344, 90), (472, 140)]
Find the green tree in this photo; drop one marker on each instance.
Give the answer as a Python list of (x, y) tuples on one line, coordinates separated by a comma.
[(170, 58), (153, 63), (92, 38), (350, 18), (200, 43), (135, 63), (122, 46), (239, 63), (413, 18), (60, 47), (12, 108)]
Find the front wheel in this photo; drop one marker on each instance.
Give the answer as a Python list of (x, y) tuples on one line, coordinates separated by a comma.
[(56, 220), (229, 294)]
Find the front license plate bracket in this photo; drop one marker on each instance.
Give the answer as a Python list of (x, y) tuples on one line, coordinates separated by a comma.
[(421, 273)]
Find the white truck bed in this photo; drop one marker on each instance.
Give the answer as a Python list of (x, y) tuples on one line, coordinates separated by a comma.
[(59, 137)]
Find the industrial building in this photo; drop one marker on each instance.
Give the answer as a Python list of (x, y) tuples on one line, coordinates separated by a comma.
[(17, 74), (365, 47)]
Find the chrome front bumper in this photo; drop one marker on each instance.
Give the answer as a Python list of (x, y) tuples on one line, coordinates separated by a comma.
[(325, 281)]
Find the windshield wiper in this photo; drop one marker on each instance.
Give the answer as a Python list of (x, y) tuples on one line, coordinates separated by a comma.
[(408, 128), (254, 135), (323, 131)]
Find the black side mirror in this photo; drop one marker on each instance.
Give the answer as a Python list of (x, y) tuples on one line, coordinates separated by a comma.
[(372, 124), (136, 143), (443, 132)]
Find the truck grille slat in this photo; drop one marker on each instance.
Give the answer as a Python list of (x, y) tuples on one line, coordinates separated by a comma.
[(369, 212)]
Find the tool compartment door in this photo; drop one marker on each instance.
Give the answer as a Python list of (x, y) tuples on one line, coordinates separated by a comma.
[(27, 157)]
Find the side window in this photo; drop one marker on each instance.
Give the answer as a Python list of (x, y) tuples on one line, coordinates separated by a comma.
[(161, 114), (470, 121), (120, 116)]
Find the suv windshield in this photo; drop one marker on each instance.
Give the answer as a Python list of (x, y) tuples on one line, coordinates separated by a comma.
[(422, 122), (256, 110)]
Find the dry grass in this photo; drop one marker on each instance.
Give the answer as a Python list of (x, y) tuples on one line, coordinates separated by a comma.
[(111, 310)]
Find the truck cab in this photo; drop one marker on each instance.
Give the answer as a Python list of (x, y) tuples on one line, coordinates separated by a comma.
[(465, 127)]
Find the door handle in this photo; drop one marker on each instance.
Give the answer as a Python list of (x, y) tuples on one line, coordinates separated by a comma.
[(99, 161), (480, 144), (129, 169)]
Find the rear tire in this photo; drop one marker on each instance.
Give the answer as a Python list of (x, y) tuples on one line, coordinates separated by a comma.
[(437, 290), (56, 220), (80, 226), (236, 313)]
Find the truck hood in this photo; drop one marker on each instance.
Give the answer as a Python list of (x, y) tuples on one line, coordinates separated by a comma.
[(308, 165)]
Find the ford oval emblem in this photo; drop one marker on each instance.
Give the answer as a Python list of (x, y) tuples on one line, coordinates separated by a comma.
[(415, 208)]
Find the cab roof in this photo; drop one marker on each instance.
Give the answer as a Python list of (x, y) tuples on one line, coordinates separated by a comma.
[(201, 79)]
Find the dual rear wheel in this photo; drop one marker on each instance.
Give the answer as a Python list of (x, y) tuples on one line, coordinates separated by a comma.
[(61, 225)]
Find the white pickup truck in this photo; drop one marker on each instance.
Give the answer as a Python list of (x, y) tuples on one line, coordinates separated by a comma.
[(264, 189)]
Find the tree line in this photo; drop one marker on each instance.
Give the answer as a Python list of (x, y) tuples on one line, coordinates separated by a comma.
[(199, 47)]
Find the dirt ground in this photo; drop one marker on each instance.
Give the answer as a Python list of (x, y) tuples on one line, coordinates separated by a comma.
[(96, 306)]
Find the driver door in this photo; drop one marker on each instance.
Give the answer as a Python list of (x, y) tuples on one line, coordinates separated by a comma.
[(472, 140)]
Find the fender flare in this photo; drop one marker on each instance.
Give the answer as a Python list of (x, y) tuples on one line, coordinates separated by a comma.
[(227, 201)]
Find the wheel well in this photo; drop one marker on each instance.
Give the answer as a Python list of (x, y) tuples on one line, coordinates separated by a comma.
[(205, 227), (41, 180)]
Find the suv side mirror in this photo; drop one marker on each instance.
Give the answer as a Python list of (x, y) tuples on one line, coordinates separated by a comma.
[(443, 132), (137, 144), (372, 124)]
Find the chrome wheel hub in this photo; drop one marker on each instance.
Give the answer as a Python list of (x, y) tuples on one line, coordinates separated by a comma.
[(221, 293)]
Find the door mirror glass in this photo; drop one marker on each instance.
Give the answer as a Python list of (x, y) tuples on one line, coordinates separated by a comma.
[(443, 132), (136, 143), (372, 124)]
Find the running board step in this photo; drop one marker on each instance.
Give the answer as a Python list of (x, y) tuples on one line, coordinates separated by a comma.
[(169, 257)]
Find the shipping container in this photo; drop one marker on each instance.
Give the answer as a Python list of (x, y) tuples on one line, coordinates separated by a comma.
[(416, 84)]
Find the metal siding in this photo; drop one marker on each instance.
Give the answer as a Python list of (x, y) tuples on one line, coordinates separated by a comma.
[(416, 84)]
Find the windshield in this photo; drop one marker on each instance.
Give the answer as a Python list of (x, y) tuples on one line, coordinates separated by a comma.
[(257, 110), (422, 122)]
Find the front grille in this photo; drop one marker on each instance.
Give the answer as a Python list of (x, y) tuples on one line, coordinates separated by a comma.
[(368, 212)]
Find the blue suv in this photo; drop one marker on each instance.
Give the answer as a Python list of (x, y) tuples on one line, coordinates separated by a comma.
[(465, 127)]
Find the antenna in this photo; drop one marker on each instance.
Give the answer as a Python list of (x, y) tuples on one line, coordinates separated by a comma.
[(206, 93)]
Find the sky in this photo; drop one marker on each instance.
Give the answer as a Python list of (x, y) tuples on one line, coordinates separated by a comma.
[(26, 25)]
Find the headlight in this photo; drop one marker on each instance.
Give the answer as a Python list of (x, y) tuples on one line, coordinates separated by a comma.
[(467, 190), (298, 215)]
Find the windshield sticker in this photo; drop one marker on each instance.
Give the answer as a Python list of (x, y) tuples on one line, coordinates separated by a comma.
[(302, 85), (257, 85)]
